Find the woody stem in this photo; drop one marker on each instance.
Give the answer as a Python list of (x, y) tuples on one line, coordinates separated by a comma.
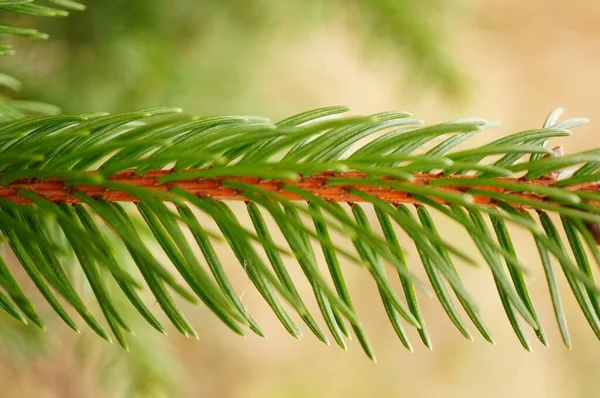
[(320, 184)]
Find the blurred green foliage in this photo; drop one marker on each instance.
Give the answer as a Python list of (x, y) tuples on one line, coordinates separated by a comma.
[(207, 56)]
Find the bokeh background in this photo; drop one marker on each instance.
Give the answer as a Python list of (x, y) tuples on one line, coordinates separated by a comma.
[(505, 60)]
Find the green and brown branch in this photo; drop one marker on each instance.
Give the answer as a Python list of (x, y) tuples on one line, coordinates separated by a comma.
[(70, 184)]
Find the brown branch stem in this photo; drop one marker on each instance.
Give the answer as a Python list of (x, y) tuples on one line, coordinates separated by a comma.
[(318, 184)]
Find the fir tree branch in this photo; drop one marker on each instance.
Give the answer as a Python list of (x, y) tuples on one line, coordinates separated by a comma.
[(75, 174), (66, 180)]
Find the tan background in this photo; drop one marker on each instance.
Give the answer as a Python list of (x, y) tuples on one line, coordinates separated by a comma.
[(523, 58)]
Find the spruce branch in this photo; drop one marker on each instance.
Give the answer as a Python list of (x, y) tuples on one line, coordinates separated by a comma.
[(73, 183), (107, 190)]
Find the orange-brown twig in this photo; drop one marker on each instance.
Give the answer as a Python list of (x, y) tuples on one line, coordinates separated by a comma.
[(318, 184)]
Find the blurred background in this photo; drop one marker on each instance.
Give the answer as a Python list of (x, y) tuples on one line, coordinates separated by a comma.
[(503, 60)]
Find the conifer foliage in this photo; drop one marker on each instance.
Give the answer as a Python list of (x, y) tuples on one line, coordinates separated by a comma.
[(90, 190)]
